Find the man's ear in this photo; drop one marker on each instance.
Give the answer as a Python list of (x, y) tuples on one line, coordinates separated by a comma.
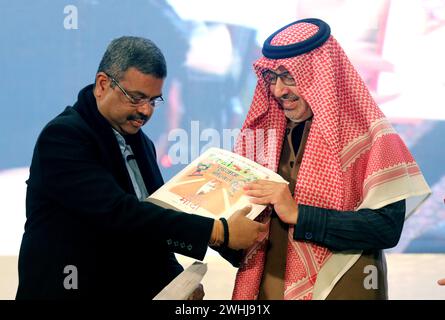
[(102, 84)]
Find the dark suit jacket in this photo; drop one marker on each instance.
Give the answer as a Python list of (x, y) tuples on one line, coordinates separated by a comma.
[(82, 211)]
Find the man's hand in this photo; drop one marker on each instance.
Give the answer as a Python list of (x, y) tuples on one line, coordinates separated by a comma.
[(275, 193), (243, 232), (441, 282), (198, 294)]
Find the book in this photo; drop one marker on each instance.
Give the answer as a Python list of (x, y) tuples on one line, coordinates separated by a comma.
[(212, 185), (181, 287)]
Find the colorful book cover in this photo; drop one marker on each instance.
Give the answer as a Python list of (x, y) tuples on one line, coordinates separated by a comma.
[(212, 185)]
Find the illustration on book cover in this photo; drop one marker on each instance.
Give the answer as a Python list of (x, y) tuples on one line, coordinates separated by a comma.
[(214, 185)]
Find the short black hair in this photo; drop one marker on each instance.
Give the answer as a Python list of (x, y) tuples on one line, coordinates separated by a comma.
[(140, 53)]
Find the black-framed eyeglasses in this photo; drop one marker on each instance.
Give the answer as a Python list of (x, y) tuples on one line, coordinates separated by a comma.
[(271, 77), (138, 101)]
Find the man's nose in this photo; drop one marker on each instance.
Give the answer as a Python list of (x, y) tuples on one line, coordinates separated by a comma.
[(145, 108), (280, 88)]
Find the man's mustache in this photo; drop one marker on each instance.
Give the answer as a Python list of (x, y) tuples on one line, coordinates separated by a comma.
[(137, 117), (289, 97)]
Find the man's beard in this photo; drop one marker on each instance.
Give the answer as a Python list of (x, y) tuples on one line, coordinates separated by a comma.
[(294, 115)]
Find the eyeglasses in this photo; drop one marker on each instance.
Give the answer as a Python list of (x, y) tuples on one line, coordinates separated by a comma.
[(138, 101), (271, 77)]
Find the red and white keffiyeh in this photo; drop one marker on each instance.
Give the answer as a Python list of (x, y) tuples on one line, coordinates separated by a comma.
[(353, 157)]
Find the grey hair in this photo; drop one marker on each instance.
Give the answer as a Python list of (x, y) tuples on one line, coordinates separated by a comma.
[(140, 53)]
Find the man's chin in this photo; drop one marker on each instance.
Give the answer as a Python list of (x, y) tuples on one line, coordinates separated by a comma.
[(293, 115), (291, 112), (130, 129)]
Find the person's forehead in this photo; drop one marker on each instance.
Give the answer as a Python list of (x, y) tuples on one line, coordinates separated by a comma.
[(142, 84)]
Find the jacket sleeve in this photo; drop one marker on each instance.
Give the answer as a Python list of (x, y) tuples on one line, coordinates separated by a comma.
[(351, 230), (67, 170), (174, 267)]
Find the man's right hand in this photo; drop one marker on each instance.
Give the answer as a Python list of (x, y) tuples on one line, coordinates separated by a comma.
[(243, 232)]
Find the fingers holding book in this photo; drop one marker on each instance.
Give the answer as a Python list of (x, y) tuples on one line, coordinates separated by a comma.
[(240, 231)]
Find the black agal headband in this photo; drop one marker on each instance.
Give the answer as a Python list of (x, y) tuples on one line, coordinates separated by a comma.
[(291, 50)]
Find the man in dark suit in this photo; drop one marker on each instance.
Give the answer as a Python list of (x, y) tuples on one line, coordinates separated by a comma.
[(88, 231)]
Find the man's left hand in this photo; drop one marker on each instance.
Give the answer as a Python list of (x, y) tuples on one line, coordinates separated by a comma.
[(198, 294), (277, 194)]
